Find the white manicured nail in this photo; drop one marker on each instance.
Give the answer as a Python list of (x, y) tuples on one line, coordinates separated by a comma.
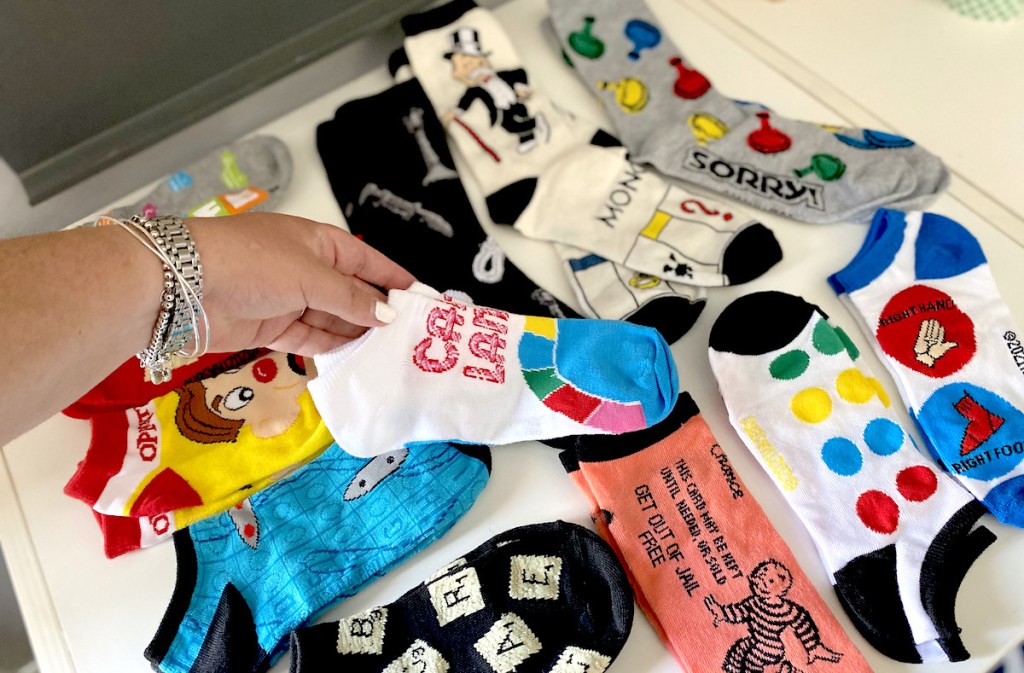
[(384, 313)]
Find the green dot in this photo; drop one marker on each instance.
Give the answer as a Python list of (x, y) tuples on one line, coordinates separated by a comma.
[(851, 347), (789, 365), (825, 339)]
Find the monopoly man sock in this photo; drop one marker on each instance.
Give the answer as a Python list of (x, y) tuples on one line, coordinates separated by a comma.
[(927, 300), (250, 174), (222, 431), (578, 187), (669, 116), (889, 528), (543, 598), (448, 371), (248, 577), (702, 554)]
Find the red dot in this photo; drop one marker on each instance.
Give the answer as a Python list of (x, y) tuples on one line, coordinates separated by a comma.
[(264, 370), (917, 483), (878, 511), (249, 530)]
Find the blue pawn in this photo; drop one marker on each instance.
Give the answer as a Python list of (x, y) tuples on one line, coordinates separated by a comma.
[(643, 35)]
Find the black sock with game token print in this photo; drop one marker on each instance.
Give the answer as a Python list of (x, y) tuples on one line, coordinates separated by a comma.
[(543, 598)]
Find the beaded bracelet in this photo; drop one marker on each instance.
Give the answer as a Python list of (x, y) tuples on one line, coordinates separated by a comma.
[(181, 308)]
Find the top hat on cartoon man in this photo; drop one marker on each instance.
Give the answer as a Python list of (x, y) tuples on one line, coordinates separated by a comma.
[(466, 41)]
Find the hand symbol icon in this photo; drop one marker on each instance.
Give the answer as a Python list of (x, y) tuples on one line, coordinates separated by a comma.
[(931, 343)]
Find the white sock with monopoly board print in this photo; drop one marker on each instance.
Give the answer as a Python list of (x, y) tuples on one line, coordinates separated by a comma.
[(479, 375)]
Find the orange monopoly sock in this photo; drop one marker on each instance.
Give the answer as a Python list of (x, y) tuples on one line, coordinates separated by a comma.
[(218, 436), (722, 586)]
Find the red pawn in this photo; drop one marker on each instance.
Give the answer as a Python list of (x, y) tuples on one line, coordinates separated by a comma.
[(690, 83), (767, 140)]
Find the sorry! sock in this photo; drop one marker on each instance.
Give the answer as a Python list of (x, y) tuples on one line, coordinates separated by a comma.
[(668, 115), (925, 296), (456, 372), (544, 598), (891, 531), (702, 554), (247, 578)]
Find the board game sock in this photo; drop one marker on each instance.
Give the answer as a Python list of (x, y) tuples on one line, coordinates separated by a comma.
[(248, 577), (893, 533), (574, 184), (543, 598), (925, 296), (250, 174), (702, 554), (669, 116), (448, 371), (220, 432)]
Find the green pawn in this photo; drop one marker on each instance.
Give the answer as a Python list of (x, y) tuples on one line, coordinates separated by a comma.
[(825, 166), (585, 44)]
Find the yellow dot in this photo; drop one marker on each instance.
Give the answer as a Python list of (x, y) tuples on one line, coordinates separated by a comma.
[(880, 391), (854, 387), (811, 405)]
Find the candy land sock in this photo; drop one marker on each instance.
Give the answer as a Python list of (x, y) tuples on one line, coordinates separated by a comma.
[(893, 533), (569, 182), (223, 430), (925, 296), (247, 578), (544, 598), (250, 174), (703, 555), (455, 372), (669, 116)]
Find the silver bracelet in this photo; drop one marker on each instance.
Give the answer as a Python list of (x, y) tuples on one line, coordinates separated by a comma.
[(181, 308)]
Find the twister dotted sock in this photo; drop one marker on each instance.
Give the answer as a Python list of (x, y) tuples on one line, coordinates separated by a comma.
[(669, 116), (251, 174), (923, 290), (544, 598), (894, 533), (240, 421), (702, 555), (248, 577), (456, 372)]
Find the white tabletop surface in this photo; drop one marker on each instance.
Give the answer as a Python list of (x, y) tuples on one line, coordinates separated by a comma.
[(88, 614)]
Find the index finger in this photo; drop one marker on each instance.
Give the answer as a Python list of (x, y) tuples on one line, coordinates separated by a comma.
[(356, 258)]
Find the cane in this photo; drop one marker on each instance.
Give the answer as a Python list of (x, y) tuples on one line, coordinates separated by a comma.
[(478, 139)]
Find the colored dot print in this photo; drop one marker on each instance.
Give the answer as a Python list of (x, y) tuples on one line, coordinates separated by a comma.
[(825, 339), (878, 512), (851, 347), (842, 456), (789, 365), (917, 483), (924, 330), (883, 436), (811, 405), (854, 387)]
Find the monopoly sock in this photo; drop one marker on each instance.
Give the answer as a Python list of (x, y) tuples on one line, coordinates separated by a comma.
[(924, 294), (250, 174), (703, 554), (669, 116), (452, 371), (544, 598), (248, 577), (888, 527), (578, 186), (225, 429)]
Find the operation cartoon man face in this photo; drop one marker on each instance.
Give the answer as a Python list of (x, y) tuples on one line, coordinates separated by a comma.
[(470, 69)]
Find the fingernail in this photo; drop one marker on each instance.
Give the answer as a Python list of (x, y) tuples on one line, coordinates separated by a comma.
[(384, 313)]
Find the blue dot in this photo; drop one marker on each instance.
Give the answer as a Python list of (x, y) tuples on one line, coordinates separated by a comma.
[(842, 456), (883, 436)]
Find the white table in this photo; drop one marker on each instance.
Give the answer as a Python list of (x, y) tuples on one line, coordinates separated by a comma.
[(87, 614)]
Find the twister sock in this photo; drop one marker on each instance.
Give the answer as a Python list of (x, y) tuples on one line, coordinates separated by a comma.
[(456, 372), (924, 294), (248, 577), (892, 532), (544, 598), (669, 116), (250, 174), (702, 554), (575, 185), (222, 431)]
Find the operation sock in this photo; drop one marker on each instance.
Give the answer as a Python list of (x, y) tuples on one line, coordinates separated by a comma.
[(923, 292), (544, 598), (669, 116), (893, 533), (250, 174), (231, 426), (455, 372), (557, 178), (702, 555), (249, 577)]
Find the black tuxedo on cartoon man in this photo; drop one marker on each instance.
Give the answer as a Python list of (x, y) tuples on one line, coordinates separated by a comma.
[(505, 108)]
